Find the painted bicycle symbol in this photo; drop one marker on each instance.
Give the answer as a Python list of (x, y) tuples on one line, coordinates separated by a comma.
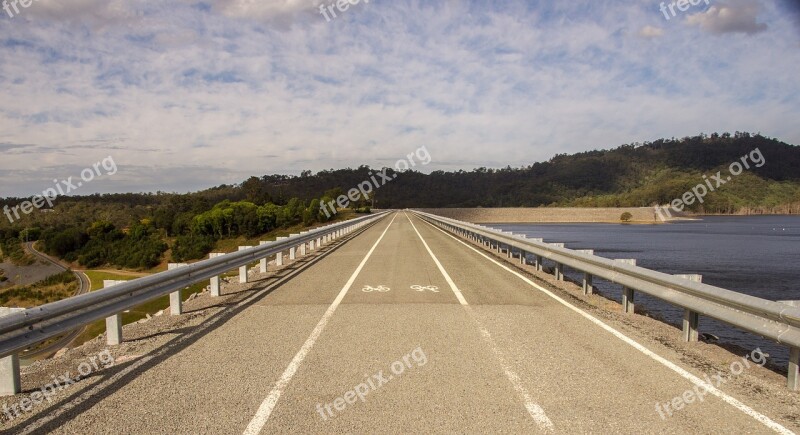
[(370, 289), (421, 288)]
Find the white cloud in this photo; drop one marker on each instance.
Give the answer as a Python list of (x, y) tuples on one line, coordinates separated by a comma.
[(95, 13), (735, 16), (650, 32), (281, 12)]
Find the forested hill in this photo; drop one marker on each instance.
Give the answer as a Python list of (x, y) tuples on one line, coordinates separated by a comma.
[(630, 175)]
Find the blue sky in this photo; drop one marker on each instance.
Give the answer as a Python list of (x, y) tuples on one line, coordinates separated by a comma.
[(186, 95)]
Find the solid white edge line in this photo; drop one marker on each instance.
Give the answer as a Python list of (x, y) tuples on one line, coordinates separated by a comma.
[(535, 410), (677, 369), (268, 405)]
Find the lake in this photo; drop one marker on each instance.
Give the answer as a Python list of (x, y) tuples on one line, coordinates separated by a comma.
[(756, 255)]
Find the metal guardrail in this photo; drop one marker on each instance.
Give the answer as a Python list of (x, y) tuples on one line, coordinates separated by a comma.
[(34, 325), (776, 321)]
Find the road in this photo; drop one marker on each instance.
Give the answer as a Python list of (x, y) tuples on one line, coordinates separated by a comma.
[(84, 286), (405, 329)]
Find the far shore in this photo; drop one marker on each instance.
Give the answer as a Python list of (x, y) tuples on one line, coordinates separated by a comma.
[(638, 215), (561, 215)]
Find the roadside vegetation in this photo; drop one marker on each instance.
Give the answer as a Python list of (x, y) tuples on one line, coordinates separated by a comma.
[(50, 289), (97, 277), (11, 249)]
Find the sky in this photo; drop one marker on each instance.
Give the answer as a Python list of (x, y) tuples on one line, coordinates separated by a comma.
[(184, 95)]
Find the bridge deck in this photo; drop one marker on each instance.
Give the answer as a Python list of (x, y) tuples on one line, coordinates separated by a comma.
[(481, 350)]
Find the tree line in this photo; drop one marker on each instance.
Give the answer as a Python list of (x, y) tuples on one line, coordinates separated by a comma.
[(134, 230)]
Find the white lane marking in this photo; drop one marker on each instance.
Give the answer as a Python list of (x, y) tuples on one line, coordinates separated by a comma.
[(536, 412), (674, 367), (265, 410), (422, 288)]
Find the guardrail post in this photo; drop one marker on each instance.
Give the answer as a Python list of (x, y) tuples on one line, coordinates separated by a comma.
[(691, 319), (263, 263), (279, 255), (303, 249), (793, 378), (9, 376), (523, 257), (9, 366), (588, 289), (243, 269), (114, 330), (113, 323), (175, 300), (628, 306), (537, 261), (293, 253), (214, 282), (558, 271)]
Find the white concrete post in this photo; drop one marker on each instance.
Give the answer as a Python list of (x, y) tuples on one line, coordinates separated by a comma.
[(303, 249), (9, 376), (279, 255), (691, 319), (214, 282), (175, 300), (10, 383), (243, 269), (587, 278), (793, 379), (628, 306), (263, 262), (113, 323), (558, 272)]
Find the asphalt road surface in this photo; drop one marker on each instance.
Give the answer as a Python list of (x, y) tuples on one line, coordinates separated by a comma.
[(405, 329)]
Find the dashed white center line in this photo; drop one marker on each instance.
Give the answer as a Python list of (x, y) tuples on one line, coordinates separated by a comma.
[(268, 405), (536, 412)]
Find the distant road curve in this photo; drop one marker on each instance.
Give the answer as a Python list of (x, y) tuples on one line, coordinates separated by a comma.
[(84, 287)]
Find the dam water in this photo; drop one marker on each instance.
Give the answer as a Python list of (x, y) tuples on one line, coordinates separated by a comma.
[(756, 255)]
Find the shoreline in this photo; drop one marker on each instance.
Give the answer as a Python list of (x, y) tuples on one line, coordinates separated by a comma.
[(526, 215), (571, 215)]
